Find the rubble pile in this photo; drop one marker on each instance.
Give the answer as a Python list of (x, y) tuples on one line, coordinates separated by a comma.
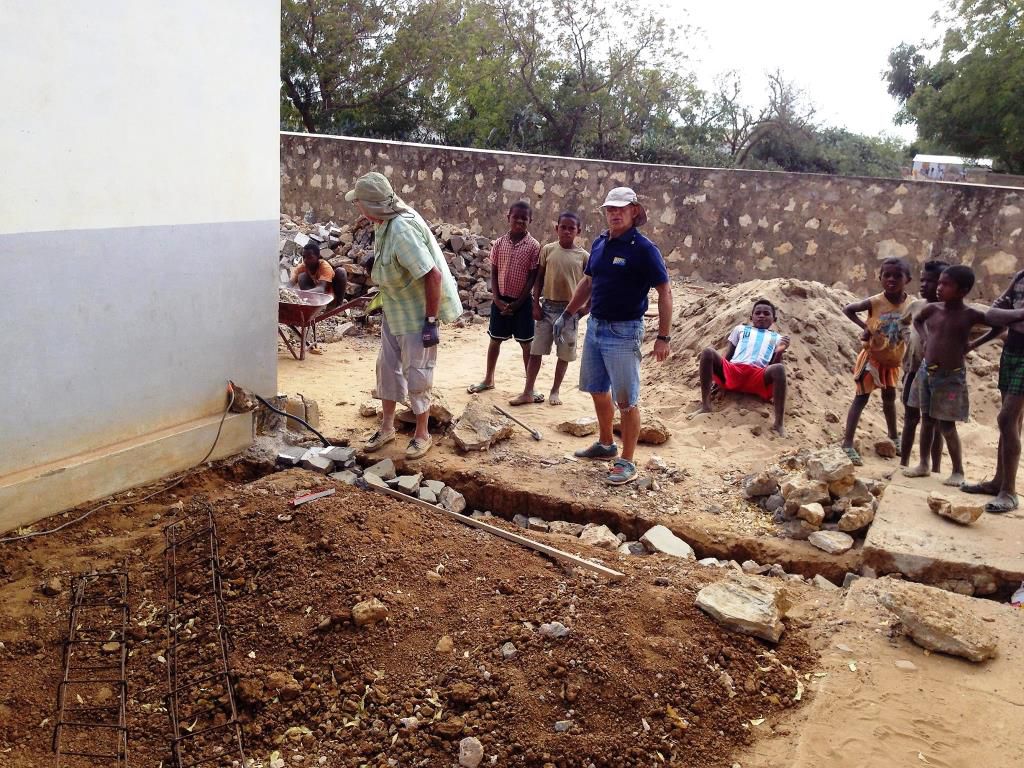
[(817, 497), (350, 247)]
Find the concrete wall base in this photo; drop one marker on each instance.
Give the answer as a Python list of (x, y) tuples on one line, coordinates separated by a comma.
[(33, 494)]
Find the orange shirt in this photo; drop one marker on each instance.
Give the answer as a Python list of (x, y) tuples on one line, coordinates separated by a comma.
[(324, 272)]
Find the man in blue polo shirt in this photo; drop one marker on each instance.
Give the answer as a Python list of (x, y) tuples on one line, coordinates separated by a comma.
[(623, 267)]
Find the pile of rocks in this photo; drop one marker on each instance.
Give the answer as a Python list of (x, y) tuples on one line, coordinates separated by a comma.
[(350, 247), (825, 503), (656, 540)]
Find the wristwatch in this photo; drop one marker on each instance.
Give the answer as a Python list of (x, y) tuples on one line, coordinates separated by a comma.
[(664, 338), (431, 319)]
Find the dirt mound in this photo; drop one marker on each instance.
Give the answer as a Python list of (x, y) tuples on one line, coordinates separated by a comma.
[(824, 346), (641, 672)]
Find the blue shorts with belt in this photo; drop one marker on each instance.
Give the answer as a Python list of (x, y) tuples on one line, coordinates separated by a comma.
[(611, 359)]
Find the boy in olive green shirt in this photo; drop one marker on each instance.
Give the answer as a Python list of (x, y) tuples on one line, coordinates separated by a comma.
[(561, 269)]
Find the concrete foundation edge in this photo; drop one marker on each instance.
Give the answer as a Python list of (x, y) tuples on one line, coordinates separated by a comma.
[(64, 485)]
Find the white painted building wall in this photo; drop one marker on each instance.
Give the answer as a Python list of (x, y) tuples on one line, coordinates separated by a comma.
[(139, 189)]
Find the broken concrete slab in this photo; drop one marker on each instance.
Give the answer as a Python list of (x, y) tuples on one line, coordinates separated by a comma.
[(940, 621), (747, 604), (385, 469), (451, 500), (581, 427), (964, 513), (565, 528), (821, 582), (339, 454), (830, 465), (479, 427), (599, 536), (907, 537), (346, 476), (371, 479), (521, 520), (427, 495), (291, 455), (833, 542), (434, 485), (317, 462), (537, 524), (660, 539), (408, 484)]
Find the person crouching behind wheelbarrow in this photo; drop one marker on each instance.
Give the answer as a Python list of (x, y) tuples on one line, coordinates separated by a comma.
[(316, 274), (418, 292)]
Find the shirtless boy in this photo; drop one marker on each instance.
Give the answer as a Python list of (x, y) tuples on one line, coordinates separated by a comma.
[(940, 388)]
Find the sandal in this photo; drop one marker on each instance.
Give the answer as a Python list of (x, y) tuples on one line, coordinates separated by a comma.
[(475, 389), (854, 457), (984, 488), (996, 507), (538, 397)]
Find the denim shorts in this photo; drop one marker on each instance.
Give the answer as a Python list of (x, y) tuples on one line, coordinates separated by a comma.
[(611, 359)]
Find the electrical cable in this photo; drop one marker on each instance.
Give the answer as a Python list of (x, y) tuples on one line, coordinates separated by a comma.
[(306, 424), (209, 453)]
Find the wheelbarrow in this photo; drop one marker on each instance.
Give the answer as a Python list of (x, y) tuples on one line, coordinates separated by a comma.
[(302, 318)]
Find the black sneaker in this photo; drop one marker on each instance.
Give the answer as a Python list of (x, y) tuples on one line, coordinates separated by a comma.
[(598, 451)]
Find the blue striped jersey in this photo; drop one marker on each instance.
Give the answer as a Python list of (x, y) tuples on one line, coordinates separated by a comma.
[(754, 346)]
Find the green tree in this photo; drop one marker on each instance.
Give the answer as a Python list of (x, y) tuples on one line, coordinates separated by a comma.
[(971, 97), (364, 67)]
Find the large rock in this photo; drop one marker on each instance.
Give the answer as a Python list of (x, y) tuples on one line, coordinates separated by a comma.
[(833, 542), (565, 528), (801, 490), (600, 536), (581, 427), (813, 513), (660, 539), (761, 484), (652, 429), (385, 469), (965, 514), (746, 604), (856, 518), (440, 414), (798, 529), (942, 622), (830, 465), (886, 448), (369, 612), (479, 427), (451, 500)]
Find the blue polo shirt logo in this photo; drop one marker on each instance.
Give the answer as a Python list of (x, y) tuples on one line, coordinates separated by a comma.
[(618, 261)]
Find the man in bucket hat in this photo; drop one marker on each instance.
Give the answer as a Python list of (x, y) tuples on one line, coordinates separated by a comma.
[(622, 269), (418, 292)]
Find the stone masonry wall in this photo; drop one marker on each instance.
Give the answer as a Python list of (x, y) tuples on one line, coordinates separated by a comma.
[(721, 225)]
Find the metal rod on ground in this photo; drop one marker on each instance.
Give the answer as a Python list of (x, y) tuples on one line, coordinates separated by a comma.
[(535, 433), (552, 552), (197, 651), (94, 660)]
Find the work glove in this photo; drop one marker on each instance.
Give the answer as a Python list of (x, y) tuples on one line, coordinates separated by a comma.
[(430, 336)]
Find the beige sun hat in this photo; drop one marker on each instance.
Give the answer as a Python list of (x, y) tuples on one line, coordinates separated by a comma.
[(620, 197), (374, 191)]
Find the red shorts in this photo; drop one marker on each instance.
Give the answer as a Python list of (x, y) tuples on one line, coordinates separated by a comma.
[(740, 377)]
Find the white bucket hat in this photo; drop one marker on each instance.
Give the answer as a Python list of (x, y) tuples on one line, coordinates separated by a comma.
[(620, 197)]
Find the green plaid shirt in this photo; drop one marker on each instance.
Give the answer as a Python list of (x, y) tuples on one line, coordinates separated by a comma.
[(405, 250)]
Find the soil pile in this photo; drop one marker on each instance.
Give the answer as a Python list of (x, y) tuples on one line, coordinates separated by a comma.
[(819, 362), (641, 676)]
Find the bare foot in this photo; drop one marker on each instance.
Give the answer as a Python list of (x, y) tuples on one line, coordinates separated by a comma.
[(956, 480), (920, 470), (702, 410), (524, 399), (778, 430), (554, 399)]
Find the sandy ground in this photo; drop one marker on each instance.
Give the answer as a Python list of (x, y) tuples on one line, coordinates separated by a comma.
[(716, 451)]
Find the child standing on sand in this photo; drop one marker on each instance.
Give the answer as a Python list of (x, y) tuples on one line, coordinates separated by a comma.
[(885, 343), (940, 388), (561, 269)]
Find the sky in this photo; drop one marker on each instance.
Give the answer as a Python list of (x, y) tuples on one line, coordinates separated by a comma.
[(834, 51)]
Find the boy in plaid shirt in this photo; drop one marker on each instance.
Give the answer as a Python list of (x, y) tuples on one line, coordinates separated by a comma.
[(515, 257)]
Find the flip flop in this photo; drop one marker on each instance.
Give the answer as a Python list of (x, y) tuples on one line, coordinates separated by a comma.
[(854, 457), (982, 489), (538, 397), (1000, 507), (474, 389)]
